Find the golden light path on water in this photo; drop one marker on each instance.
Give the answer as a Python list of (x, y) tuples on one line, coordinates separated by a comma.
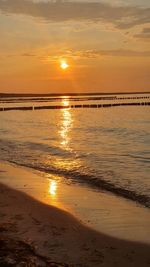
[(65, 127), (67, 122), (64, 163)]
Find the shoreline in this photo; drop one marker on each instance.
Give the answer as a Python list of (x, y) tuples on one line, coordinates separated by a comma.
[(55, 236), (101, 211)]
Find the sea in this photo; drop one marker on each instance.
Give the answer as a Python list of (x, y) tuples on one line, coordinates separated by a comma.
[(101, 141)]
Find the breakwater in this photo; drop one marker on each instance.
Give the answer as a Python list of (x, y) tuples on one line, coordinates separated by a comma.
[(26, 108)]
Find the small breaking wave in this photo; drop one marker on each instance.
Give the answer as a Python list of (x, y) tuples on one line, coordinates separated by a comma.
[(96, 182)]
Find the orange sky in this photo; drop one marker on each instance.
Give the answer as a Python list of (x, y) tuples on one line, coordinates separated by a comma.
[(106, 46)]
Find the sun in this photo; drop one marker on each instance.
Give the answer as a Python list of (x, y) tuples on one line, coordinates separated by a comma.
[(63, 64)]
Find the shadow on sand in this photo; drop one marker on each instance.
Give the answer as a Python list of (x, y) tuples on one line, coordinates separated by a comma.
[(35, 234)]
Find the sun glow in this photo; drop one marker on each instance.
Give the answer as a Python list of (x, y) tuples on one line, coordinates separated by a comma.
[(64, 65)]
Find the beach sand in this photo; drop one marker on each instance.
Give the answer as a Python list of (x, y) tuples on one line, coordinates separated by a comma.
[(47, 235), (100, 210), (36, 234)]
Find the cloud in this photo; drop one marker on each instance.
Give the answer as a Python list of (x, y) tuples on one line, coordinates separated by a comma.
[(28, 55), (80, 54), (113, 53), (145, 34), (92, 54), (122, 17)]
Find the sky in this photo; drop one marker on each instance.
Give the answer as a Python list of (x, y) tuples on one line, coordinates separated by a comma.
[(106, 45)]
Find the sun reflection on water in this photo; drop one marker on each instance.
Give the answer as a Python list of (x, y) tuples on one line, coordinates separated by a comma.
[(53, 188), (65, 102), (66, 126), (67, 159)]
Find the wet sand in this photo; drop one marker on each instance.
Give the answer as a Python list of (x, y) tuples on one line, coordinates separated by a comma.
[(102, 211), (33, 233), (52, 236)]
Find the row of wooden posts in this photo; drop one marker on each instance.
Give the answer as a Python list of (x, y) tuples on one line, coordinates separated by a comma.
[(75, 106)]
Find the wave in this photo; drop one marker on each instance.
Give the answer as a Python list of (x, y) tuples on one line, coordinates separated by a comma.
[(91, 180), (29, 154), (33, 146), (47, 148)]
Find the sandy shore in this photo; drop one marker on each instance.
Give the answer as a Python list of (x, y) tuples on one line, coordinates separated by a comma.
[(42, 235), (103, 212)]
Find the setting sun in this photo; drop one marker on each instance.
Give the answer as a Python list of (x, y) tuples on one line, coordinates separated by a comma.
[(63, 64)]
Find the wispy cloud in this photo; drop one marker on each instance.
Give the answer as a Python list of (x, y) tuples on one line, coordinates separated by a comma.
[(125, 53), (112, 53), (122, 17), (92, 54), (84, 54), (145, 34), (28, 55)]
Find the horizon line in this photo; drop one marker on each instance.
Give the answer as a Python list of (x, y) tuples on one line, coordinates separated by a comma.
[(68, 94)]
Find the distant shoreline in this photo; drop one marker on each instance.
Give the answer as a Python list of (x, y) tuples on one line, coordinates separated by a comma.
[(67, 94)]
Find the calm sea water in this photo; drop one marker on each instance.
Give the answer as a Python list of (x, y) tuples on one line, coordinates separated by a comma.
[(106, 148)]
